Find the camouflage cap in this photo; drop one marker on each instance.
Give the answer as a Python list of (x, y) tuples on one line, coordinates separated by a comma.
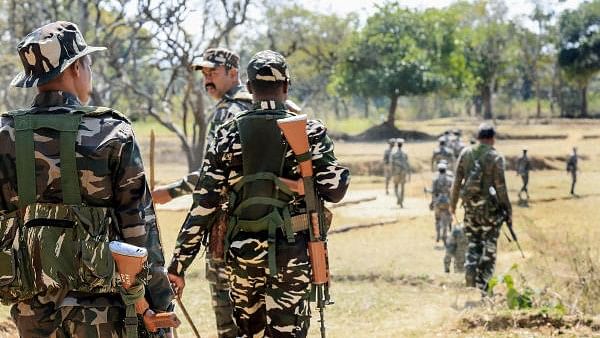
[(268, 65), (48, 51), (400, 141), (442, 165), (391, 141), (214, 57)]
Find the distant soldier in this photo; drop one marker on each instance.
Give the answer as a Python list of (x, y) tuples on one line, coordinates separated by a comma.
[(456, 247), (71, 181), (387, 163), (481, 184), (446, 137), (440, 201), (220, 71), (457, 145), (523, 168), (400, 171), (572, 169), (442, 153)]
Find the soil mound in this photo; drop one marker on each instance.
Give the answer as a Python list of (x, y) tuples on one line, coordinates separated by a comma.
[(537, 163), (501, 136), (384, 131), (525, 320)]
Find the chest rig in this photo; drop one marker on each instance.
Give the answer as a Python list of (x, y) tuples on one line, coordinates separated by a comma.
[(48, 246), (259, 202)]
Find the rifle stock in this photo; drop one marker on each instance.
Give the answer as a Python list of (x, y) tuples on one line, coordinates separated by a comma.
[(130, 261)]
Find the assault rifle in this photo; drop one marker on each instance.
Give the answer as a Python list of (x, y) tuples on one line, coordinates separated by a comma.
[(294, 131), (506, 219), (130, 261)]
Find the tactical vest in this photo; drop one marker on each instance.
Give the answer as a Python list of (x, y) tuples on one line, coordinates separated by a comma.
[(259, 201), (54, 246), (475, 190)]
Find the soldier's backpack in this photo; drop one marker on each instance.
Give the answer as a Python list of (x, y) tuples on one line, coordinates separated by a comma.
[(473, 188), (53, 246)]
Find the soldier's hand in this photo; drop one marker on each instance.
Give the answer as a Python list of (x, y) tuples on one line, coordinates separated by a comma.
[(431, 206), (161, 195), (178, 283)]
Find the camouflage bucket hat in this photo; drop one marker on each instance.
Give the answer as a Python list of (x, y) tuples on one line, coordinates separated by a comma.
[(48, 51), (268, 66), (214, 57)]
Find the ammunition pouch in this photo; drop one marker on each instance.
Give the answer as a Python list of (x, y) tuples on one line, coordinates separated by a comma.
[(52, 246)]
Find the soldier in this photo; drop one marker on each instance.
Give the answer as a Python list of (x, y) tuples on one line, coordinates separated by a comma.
[(457, 144), (442, 153), (71, 179), (523, 168), (267, 261), (481, 185), (572, 169), (400, 172), (387, 163), (220, 69), (456, 247), (440, 202)]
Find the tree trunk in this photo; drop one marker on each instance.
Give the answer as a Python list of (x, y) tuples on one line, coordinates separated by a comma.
[(391, 118), (336, 107), (366, 108), (538, 112), (584, 108), (486, 97)]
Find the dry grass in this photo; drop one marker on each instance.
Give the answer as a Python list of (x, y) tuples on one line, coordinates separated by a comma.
[(388, 280)]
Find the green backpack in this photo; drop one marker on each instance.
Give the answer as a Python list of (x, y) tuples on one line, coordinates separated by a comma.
[(473, 188), (53, 246)]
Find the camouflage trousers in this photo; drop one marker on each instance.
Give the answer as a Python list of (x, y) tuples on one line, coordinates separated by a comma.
[(525, 179), (399, 181), (38, 318), (482, 233), (573, 181), (387, 173), (443, 224), (265, 305), (217, 278)]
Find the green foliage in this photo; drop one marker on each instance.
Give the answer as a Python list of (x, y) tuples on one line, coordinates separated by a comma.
[(523, 296), (579, 44)]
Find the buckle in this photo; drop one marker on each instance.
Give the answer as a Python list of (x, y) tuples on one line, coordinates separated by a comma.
[(130, 321)]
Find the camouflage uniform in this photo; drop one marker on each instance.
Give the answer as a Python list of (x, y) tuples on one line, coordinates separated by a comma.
[(523, 168), (442, 153), (400, 172), (456, 248), (456, 144), (572, 169), (267, 303), (236, 100), (440, 201), (109, 166), (482, 213), (387, 164)]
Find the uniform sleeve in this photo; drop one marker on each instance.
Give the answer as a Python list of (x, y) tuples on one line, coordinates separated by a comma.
[(206, 198), (460, 174), (185, 185), (331, 179), (500, 184), (137, 220)]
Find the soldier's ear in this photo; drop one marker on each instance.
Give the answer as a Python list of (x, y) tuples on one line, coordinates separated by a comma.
[(285, 87), (233, 73), (249, 87)]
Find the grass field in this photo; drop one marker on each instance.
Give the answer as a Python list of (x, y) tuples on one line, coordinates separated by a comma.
[(388, 281)]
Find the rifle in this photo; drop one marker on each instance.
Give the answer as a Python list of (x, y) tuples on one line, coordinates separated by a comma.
[(130, 261), (506, 219), (294, 131)]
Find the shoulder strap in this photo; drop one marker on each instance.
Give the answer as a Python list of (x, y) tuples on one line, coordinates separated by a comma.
[(67, 125)]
